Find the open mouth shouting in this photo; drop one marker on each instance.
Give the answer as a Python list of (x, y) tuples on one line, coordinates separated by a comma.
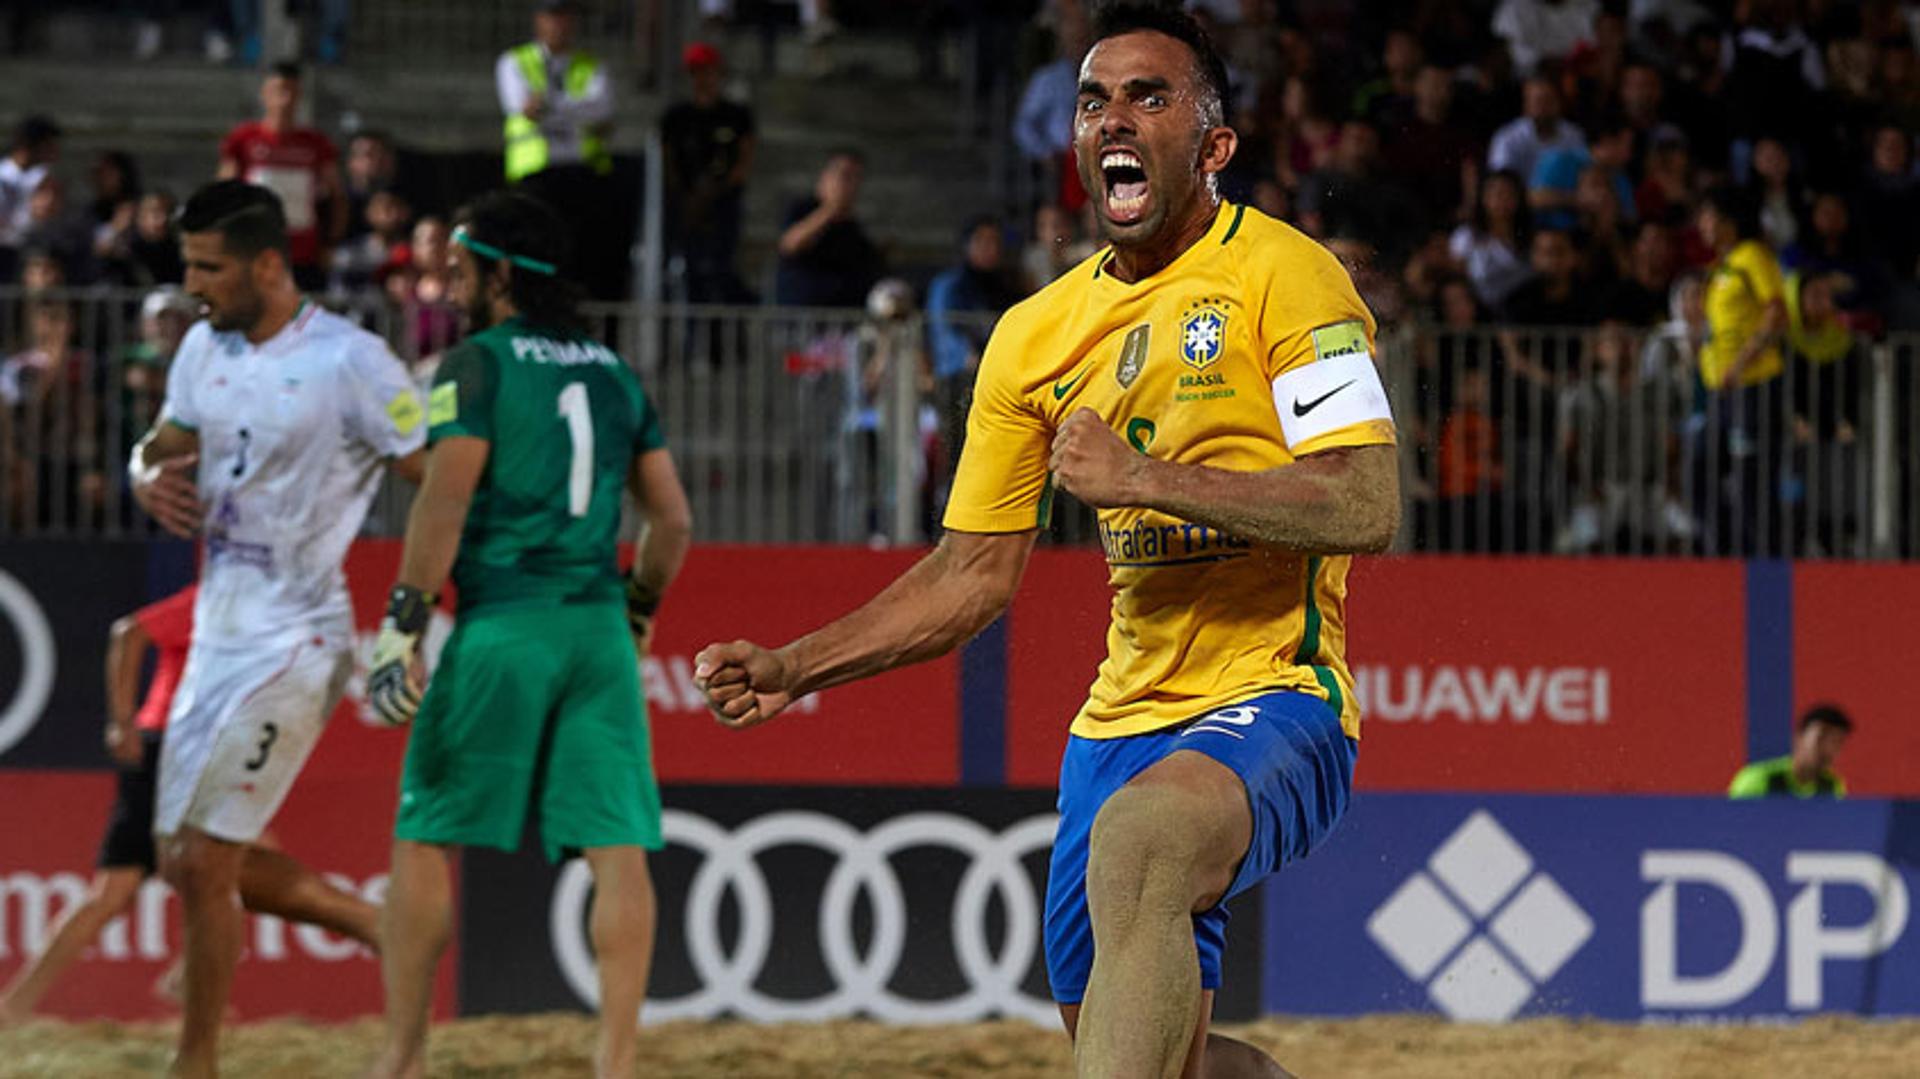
[(1126, 182)]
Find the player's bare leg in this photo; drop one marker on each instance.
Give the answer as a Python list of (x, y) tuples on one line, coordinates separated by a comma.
[(1163, 847), (415, 925), (621, 924), (112, 892), (273, 883), (1210, 1056), (205, 871)]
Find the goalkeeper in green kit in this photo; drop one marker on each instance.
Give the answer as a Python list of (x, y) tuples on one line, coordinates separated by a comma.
[(534, 430)]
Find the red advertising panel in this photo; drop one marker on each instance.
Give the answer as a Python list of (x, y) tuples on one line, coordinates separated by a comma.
[(1476, 674), (1549, 675), (337, 827), (1856, 640)]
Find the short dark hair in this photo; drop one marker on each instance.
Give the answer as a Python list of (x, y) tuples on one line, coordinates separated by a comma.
[(519, 224), (1735, 205), (285, 69), (248, 218), (1119, 17), (1829, 714), (35, 131)]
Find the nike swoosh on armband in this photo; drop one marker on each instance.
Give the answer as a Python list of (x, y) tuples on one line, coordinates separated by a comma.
[(1302, 409)]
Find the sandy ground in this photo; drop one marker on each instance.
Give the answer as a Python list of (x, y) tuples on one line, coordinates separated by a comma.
[(1384, 1046)]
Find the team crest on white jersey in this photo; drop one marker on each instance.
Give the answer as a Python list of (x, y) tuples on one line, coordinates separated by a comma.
[(1203, 335)]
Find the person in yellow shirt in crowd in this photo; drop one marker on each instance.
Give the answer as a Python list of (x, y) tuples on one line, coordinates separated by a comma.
[(1207, 384), (1737, 470), (1807, 772)]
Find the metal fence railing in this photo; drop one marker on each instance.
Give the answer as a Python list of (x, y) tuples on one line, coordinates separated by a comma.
[(828, 426)]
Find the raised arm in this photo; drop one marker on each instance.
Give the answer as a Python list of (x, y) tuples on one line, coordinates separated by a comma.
[(933, 608)]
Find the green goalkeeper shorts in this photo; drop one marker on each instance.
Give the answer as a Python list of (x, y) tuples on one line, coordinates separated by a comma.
[(533, 705)]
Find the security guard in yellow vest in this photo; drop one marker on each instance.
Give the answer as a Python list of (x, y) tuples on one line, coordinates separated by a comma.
[(557, 100)]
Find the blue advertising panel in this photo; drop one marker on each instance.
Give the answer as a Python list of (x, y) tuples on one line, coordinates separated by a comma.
[(1652, 909)]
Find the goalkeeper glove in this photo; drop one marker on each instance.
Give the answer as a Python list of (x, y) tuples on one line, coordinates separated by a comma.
[(391, 687)]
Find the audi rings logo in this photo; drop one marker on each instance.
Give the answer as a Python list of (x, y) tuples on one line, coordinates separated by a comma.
[(37, 662), (861, 863)]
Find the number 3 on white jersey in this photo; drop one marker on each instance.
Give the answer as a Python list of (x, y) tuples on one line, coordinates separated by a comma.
[(575, 409)]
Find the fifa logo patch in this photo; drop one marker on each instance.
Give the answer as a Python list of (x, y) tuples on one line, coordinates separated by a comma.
[(1203, 335), (1133, 354)]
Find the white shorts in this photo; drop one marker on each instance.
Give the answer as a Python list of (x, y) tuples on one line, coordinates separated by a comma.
[(242, 725)]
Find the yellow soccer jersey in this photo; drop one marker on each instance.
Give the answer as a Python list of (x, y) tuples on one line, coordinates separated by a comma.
[(1197, 364), (1738, 292)]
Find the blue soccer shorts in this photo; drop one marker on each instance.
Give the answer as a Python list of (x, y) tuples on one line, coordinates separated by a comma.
[(1286, 747)]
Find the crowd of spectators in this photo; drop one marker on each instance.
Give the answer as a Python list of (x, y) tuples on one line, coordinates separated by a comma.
[(1641, 242)]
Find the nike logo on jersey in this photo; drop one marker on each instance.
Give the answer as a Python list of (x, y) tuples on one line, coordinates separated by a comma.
[(1060, 389), (1300, 409)]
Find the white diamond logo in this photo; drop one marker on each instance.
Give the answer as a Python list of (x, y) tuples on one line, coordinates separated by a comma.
[(1418, 927), (1481, 863), (1481, 985), (1494, 929), (1542, 927)]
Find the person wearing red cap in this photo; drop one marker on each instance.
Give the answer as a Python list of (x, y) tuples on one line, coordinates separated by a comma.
[(709, 143)]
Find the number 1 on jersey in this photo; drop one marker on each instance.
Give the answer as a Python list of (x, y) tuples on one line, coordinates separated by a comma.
[(575, 409)]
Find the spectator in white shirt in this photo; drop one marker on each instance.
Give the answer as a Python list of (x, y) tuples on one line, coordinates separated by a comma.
[(1537, 30), (36, 145), (1519, 144)]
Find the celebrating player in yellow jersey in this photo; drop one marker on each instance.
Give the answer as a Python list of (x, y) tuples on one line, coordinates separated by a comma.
[(1207, 383)]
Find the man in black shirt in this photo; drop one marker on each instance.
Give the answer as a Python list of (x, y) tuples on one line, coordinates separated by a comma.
[(826, 258), (709, 144)]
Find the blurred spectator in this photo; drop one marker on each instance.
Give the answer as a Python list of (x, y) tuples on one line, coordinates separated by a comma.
[(53, 459), (826, 258), (1777, 191), (979, 286), (332, 17), (1489, 247), (420, 287), (1431, 153), (1043, 122), (1807, 772), (41, 271), (1831, 246), (1054, 249), (1348, 198), (1306, 133), (166, 314), (1537, 30), (1889, 198), (1746, 320), (1470, 473), (1555, 181), (296, 163), (147, 251), (1380, 290), (1642, 97), (709, 143), (1387, 99), (1619, 441), (53, 228), (1642, 297), (116, 184), (1666, 186), (1552, 296), (558, 104), (36, 146), (1519, 145), (1828, 381), (363, 261), (372, 165), (1603, 236), (1774, 78)]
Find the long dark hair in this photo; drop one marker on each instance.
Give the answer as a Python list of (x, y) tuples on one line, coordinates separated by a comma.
[(519, 224), (1522, 221)]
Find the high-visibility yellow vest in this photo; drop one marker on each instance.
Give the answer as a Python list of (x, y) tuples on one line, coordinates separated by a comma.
[(526, 146)]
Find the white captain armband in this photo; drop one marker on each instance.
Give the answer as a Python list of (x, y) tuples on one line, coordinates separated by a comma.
[(1341, 388)]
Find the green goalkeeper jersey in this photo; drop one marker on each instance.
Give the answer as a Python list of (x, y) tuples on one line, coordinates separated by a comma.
[(564, 417)]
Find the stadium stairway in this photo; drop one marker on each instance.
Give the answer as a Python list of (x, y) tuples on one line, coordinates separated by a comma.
[(925, 174)]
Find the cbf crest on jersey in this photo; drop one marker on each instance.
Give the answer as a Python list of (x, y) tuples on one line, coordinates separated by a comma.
[(1133, 354), (1203, 334)]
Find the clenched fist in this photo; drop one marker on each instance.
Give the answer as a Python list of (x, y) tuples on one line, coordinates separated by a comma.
[(745, 684), (1092, 463)]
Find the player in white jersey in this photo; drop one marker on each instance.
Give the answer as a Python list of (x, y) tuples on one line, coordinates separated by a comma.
[(277, 420)]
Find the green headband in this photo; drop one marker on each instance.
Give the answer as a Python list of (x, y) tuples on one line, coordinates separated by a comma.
[(486, 250)]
